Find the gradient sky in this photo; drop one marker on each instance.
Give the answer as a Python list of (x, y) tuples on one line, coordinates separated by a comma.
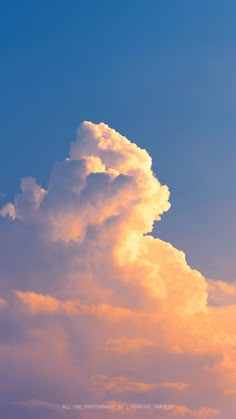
[(160, 72), (95, 307)]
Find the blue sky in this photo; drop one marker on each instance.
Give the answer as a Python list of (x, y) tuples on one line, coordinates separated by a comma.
[(160, 72)]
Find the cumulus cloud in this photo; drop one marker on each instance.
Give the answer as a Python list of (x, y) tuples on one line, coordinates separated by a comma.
[(95, 309)]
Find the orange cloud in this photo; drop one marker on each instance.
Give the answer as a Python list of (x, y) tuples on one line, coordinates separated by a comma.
[(202, 413), (3, 303), (175, 386), (221, 293), (38, 303), (122, 384), (125, 345)]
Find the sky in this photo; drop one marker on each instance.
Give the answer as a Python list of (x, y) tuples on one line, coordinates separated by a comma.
[(160, 72), (89, 237)]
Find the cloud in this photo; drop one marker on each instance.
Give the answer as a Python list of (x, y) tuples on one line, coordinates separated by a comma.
[(31, 404), (221, 293), (3, 303), (201, 413), (122, 384), (38, 303), (93, 307), (125, 345)]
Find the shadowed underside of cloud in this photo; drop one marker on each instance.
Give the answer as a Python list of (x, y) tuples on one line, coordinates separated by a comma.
[(95, 311)]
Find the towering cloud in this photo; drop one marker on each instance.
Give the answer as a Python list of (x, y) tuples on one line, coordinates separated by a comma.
[(96, 311)]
